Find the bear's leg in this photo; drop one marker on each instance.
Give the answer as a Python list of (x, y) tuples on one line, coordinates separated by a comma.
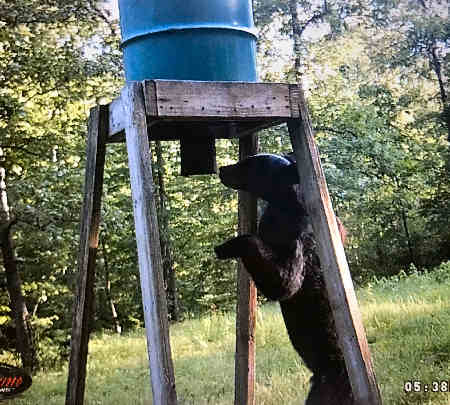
[(276, 278), (333, 389)]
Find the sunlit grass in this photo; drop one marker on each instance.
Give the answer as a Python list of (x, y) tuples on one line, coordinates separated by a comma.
[(407, 323)]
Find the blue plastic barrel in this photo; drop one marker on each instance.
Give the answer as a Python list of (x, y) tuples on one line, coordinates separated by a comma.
[(211, 40)]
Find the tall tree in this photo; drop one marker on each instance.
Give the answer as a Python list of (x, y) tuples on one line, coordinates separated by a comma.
[(51, 54), (419, 34), (416, 43), (14, 284), (370, 82), (382, 158)]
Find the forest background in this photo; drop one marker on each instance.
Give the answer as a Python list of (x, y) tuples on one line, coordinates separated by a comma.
[(376, 73)]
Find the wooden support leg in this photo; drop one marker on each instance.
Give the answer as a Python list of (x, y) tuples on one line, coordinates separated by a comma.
[(148, 245), (246, 292), (90, 221), (349, 327)]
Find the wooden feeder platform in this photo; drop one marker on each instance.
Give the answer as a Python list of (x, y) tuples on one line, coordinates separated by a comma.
[(196, 113)]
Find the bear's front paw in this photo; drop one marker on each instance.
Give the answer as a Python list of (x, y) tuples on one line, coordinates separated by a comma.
[(234, 248)]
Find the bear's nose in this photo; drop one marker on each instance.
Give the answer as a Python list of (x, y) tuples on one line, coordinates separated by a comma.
[(227, 176)]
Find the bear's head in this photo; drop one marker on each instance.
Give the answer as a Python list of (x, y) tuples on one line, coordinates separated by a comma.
[(265, 175)]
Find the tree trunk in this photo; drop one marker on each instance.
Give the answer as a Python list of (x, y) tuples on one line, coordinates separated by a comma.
[(436, 65), (298, 29), (409, 244), (14, 283), (296, 36), (109, 298), (166, 248), (437, 68)]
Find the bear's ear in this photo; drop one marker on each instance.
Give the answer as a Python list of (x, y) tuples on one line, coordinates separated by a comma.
[(289, 174)]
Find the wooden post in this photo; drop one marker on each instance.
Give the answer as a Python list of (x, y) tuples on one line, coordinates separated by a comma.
[(349, 327), (246, 294), (149, 250), (89, 231)]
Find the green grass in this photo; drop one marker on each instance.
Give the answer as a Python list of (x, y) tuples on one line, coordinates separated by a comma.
[(407, 323)]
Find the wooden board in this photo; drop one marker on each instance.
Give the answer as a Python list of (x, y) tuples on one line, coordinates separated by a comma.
[(191, 100), (89, 232), (116, 120), (347, 317), (217, 99), (246, 295), (148, 245)]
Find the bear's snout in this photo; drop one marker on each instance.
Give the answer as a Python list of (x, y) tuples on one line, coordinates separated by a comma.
[(220, 252), (225, 251), (226, 171), (228, 177)]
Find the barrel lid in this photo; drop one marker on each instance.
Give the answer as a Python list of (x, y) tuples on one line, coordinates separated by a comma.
[(175, 28), (145, 17)]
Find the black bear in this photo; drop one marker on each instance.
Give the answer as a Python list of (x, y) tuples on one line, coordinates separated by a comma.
[(283, 263)]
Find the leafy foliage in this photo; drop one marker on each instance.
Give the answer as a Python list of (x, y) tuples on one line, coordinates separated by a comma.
[(382, 144), (49, 76)]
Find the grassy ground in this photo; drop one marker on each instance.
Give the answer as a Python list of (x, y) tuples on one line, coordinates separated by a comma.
[(407, 322)]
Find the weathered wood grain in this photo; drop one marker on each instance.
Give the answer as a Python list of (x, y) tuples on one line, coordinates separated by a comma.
[(149, 251), (151, 98), (116, 120), (246, 294), (349, 327), (230, 100), (89, 231), (190, 101)]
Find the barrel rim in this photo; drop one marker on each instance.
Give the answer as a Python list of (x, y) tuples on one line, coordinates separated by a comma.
[(183, 27)]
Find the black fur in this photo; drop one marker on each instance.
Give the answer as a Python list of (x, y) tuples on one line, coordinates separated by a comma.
[(283, 263)]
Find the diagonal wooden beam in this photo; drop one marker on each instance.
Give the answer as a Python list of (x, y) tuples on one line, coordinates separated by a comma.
[(148, 246), (341, 294), (89, 231)]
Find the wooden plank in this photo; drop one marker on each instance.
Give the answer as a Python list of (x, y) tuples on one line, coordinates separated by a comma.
[(89, 231), (149, 250), (151, 102), (187, 100), (349, 327), (246, 290), (116, 120), (295, 100), (228, 100)]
